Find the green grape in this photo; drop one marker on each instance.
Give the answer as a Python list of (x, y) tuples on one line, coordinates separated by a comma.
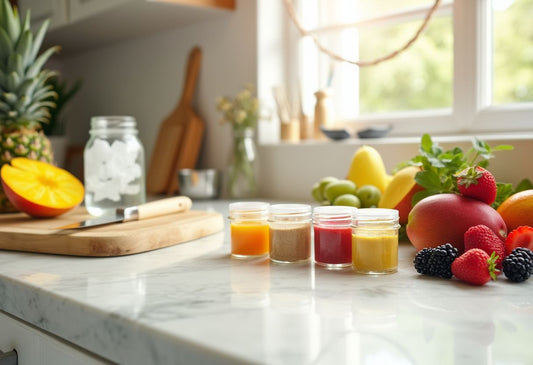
[(315, 192), (337, 188), (348, 200), (369, 196), (323, 183)]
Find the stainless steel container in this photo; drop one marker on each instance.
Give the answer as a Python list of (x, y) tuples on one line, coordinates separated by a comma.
[(200, 184)]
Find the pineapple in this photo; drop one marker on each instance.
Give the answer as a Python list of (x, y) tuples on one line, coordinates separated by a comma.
[(24, 94)]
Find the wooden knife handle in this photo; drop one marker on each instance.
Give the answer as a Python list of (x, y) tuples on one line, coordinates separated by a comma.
[(160, 207)]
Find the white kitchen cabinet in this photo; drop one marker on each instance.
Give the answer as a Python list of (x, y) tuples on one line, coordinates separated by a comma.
[(35, 347), (77, 25), (55, 10)]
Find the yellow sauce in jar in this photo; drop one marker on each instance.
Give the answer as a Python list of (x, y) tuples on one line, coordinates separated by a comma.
[(375, 254)]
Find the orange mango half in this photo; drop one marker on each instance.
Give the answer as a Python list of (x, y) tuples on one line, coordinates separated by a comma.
[(40, 189)]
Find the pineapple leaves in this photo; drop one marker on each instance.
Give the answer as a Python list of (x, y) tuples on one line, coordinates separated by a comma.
[(13, 81), (10, 20), (6, 46), (27, 20), (23, 48), (10, 98), (4, 107), (34, 69), (38, 40), (25, 97), (14, 64)]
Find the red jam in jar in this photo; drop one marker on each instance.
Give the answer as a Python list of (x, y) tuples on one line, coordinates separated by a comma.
[(332, 227)]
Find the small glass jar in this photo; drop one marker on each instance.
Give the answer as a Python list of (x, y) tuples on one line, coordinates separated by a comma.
[(332, 227), (249, 229), (375, 241), (290, 232), (114, 171)]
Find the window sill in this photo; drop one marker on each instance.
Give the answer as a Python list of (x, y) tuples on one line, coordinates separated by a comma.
[(288, 170)]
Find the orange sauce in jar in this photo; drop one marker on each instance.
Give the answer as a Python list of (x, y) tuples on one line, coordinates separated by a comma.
[(249, 239), (249, 229)]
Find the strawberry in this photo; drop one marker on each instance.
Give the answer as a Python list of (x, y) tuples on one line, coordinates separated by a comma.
[(475, 267), (519, 237), (478, 183), (483, 237)]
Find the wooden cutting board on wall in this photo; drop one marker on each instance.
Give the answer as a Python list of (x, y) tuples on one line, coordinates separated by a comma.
[(179, 138)]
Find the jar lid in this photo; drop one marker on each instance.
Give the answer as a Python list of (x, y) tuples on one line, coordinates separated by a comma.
[(248, 210), (113, 121), (248, 206), (376, 216), (334, 214), (289, 211)]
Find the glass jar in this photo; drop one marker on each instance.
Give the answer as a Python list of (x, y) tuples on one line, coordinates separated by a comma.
[(375, 241), (114, 171), (242, 174), (249, 229), (290, 232), (332, 227)]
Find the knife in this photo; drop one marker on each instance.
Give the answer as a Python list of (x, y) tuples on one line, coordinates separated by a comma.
[(140, 212)]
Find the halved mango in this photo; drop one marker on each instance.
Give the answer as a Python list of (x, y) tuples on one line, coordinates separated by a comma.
[(40, 189)]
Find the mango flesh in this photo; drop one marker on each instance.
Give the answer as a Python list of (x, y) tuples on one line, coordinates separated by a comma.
[(40, 189), (444, 218)]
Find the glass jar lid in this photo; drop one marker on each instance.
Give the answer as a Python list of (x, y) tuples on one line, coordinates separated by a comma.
[(376, 216), (112, 122), (333, 215), (290, 212), (249, 210)]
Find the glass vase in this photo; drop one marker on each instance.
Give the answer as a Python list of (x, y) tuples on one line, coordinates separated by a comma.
[(242, 174)]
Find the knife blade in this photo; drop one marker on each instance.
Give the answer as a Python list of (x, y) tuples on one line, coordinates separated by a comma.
[(140, 212)]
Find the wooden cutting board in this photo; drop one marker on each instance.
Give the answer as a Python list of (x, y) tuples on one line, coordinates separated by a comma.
[(179, 138), (19, 232)]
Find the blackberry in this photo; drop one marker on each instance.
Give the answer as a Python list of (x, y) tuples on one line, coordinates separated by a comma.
[(518, 266), (436, 261)]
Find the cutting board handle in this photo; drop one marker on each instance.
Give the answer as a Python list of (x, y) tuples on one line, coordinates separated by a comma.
[(193, 69), (161, 207)]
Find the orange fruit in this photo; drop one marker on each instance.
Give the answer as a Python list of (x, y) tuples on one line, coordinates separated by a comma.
[(39, 188), (517, 210)]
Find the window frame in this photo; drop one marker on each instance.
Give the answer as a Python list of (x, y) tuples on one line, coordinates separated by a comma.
[(471, 110)]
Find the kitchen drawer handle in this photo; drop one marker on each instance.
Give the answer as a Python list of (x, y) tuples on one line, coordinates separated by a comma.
[(8, 358)]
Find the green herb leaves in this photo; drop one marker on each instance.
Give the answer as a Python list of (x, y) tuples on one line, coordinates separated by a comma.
[(439, 167)]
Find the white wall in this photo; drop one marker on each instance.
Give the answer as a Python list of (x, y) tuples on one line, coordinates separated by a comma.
[(144, 78)]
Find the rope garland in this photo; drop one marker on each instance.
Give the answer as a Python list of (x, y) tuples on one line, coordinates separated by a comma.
[(303, 32)]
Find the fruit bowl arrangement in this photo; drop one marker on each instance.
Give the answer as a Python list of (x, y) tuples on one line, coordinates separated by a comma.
[(462, 221)]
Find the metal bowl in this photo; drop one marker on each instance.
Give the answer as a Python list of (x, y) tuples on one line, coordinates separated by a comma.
[(200, 184)]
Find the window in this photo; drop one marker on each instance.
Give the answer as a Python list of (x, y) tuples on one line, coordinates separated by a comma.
[(512, 53), (470, 71)]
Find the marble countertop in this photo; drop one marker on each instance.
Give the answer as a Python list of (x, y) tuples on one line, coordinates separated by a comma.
[(192, 303)]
